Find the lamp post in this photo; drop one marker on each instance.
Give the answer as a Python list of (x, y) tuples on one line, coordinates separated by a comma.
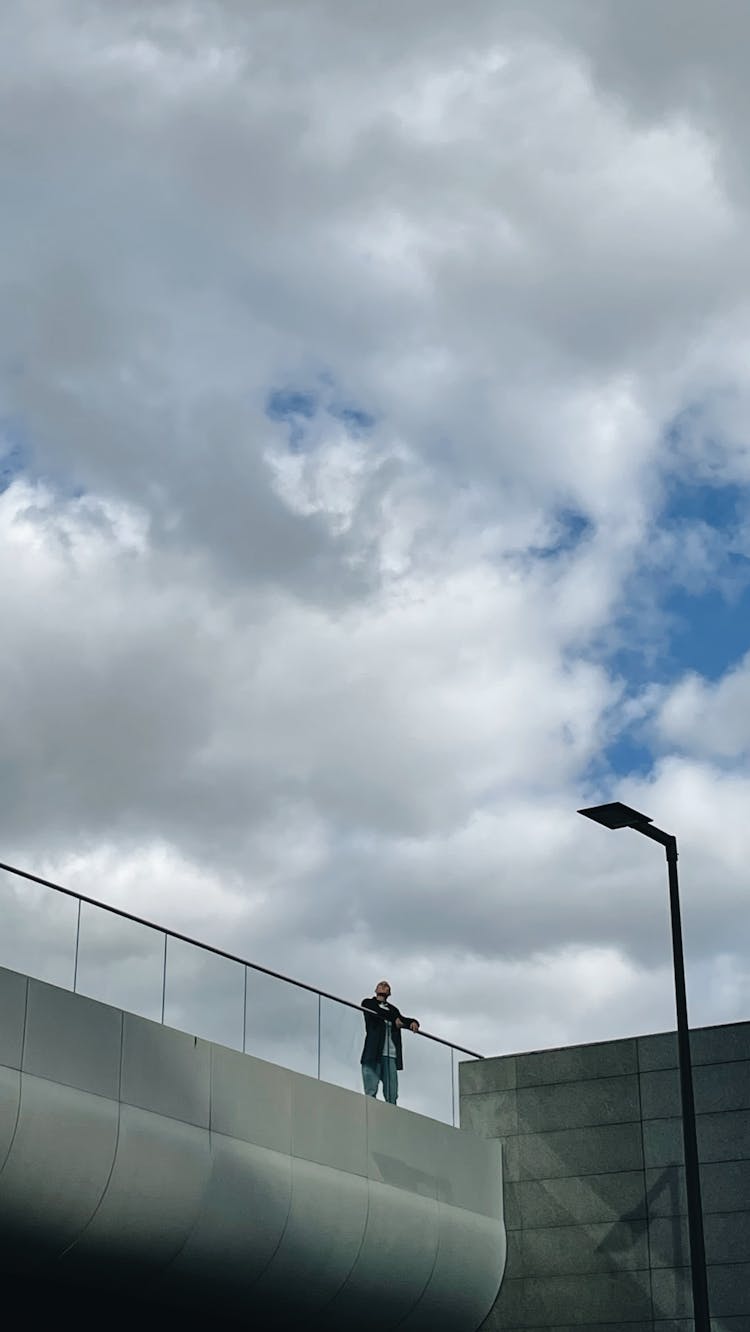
[(617, 815)]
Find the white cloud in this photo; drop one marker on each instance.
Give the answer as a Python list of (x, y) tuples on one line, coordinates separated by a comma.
[(339, 705), (706, 719)]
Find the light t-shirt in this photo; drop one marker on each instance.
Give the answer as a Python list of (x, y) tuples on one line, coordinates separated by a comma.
[(389, 1049)]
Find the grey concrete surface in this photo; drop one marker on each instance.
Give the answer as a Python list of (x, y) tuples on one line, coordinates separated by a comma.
[(546, 1203), (596, 1150), (10, 1099), (13, 1009), (77, 1045), (576, 1063), (573, 1105), (594, 1194), (163, 1070), (718, 1087), (140, 1159), (63, 1145)]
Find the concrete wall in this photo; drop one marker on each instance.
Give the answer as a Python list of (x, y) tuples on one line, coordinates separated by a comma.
[(136, 1158), (594, 1193)]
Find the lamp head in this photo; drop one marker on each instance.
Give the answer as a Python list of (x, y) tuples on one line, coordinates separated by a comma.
[(616, 815)]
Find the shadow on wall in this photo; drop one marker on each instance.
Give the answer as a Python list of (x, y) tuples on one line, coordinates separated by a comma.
[(573, 1273), (617, 1242), (595, 1204)]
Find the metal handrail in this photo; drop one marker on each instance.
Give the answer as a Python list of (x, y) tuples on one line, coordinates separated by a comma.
[(218, 952)]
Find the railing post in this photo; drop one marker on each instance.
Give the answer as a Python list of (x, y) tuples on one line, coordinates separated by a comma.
[(78, 939), (164, 980)]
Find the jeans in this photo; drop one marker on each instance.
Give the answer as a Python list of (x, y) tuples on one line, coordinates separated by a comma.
[(382, 1070)]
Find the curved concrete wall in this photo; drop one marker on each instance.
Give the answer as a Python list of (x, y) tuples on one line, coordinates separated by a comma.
[(134, 1154)]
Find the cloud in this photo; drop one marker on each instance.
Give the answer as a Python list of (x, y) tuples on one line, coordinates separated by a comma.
[(708, 720), (365, 384)]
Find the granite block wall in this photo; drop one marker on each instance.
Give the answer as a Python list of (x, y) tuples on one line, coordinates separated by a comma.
[(594, 1187)]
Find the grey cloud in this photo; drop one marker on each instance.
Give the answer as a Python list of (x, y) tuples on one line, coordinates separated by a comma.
[(228, 180), (501, 233)]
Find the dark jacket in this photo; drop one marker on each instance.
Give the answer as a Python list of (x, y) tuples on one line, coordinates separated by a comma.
[(375, 1031)]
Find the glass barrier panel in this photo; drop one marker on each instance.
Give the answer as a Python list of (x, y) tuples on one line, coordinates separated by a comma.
[(120, 962), (38, 937), (204, 994), (342, 1034), (281, 1023), (425, 1083)]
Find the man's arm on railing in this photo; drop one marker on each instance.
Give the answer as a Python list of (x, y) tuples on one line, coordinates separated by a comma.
[(402, 1021)]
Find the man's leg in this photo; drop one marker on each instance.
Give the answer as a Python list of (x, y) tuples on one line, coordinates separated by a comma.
[(371, 1078), (390, 1080)]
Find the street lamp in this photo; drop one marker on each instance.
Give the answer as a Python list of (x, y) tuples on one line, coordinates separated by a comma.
[(617, 815)]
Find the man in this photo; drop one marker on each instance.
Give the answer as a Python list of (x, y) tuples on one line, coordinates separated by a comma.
[(382, 1056)]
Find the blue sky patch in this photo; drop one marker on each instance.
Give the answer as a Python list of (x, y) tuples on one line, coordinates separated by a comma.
[(11, 465), (676, 619), (299, 407), (710, 632), (286, 404), (679, 630), (708, 623), (13, 453), (572, 528), (356, 421), (719, 506), (625, 755)]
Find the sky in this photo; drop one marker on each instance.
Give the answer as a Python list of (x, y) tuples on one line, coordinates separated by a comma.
[(375, 493)]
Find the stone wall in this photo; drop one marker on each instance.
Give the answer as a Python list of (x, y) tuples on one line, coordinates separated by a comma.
[(594, 1194)]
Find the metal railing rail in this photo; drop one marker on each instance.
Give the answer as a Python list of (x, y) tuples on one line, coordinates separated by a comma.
[(208, 948)]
